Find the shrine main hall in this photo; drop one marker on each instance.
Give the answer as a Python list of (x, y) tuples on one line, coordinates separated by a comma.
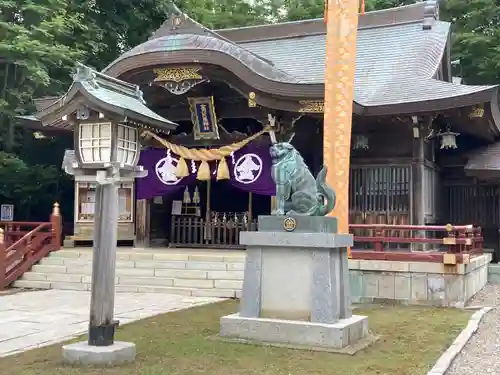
[(421, 140)]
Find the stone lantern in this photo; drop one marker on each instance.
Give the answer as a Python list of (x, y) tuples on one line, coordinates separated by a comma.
[(105, 115)]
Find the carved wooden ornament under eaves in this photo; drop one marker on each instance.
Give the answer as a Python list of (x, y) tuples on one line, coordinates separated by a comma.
[(178, 80), (311, 106)]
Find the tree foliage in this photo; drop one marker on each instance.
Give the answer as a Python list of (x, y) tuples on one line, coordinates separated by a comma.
[(476, 39), (33, 52), (476, 36), (36, 55)]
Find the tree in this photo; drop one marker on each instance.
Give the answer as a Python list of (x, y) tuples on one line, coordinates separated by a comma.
[(36, 57), (32, 56), (385, 4), (476, 39), (476, 36), (27, 186), (114, 27)]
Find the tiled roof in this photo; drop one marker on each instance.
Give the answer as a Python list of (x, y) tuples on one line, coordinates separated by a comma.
[(394, 63), (486, 159), (399, 53), (108, 93), (208, 43)]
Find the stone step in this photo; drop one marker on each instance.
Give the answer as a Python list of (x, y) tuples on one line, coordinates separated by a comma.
[(196, 274), (217, 274), (221, 293), (190, 265), (130, 254), (131, 280)]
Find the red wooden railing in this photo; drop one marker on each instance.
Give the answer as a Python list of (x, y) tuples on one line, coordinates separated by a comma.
[(22, 244), (432, 243)]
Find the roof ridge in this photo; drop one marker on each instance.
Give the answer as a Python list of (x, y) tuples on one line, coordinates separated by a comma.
[(91, 88), (380, 18), (318, 19), (88, 75), (175, 21), (293, 36)]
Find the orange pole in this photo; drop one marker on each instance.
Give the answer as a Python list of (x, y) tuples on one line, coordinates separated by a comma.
[(341, 31)]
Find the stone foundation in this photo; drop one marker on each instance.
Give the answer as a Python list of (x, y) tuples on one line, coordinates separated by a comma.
[(297, 334), (494, 273), (417, 283), (80, 353)]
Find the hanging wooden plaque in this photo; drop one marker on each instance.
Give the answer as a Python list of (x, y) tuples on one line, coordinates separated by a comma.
[(204, 118)]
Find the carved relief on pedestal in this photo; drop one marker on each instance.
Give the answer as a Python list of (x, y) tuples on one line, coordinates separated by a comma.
[(178, 80)]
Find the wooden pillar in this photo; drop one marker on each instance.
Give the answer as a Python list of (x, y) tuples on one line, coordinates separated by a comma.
[(142, 223), (341, 33), (250, 211), (418, 188), (208, 214)]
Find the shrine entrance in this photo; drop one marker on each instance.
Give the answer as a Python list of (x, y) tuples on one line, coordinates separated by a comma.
[(207, 214), (206, 202), (210, 212)]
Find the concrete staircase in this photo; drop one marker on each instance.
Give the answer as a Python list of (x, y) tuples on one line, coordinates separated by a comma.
[(207, 273)]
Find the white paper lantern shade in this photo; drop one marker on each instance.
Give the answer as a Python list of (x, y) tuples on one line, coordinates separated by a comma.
[(95, 143), (127, 145), (102, 143)]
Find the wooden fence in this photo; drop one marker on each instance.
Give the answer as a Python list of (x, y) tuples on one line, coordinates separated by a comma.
[(195, 231)]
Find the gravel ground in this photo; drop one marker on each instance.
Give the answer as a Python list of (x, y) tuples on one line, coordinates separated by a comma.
[(481, 354)]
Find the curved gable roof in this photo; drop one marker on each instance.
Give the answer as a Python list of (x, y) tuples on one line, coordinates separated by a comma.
[(207, 44), (399, 52)]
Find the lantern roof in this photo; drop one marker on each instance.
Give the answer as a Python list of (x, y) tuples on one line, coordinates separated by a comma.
[(103, 94)]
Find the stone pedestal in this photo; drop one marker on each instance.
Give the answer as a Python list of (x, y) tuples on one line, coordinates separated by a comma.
[(296, 287), (81, 353)]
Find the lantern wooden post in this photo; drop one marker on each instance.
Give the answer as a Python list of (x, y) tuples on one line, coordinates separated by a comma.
[(102, 326), (341, 31)]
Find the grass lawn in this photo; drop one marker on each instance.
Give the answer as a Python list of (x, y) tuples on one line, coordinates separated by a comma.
[(411, 340)]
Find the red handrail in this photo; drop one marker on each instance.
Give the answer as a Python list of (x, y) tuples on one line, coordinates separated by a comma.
[(20, 251), (457, 238)]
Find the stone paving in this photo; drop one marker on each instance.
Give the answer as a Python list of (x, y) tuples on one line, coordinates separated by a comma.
[(33, 319)]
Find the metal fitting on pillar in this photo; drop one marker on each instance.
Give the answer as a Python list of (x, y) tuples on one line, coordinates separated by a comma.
[(102, 335)]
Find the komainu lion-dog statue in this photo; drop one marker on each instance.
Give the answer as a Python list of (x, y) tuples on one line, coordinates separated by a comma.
[(297, 191)]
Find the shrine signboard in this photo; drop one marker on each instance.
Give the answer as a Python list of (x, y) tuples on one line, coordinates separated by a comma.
[(7, 212), (204, 118)]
